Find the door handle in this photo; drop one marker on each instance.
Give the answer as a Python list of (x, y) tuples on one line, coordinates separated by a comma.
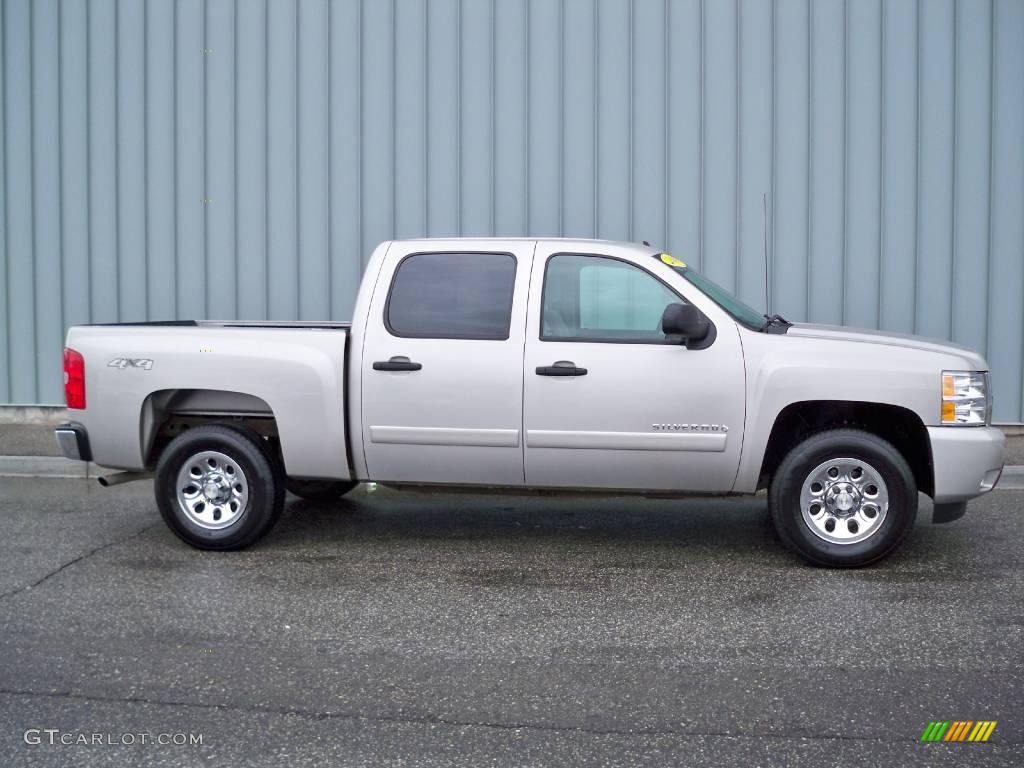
[(397, 363), (561, 368)]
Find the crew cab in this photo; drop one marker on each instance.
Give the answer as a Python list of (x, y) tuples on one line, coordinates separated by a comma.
[(537, 364)]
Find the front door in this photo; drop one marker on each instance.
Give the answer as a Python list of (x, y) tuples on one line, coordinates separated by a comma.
[(609, 401), (442, 375)]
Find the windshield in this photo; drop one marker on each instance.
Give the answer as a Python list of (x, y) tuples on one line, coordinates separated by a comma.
[(740, 311)]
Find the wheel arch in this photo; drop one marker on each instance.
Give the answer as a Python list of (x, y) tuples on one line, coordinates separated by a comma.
[(167, 413), (899, 426)]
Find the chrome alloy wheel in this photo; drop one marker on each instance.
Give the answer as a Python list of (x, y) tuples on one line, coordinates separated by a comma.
[(212, 490), (844, 501)]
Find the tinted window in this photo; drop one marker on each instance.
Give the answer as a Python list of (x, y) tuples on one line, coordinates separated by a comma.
[(745, 314), (602, 299), (452, 296)]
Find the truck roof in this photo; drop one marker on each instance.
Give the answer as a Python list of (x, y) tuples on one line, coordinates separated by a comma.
[(491, 239)]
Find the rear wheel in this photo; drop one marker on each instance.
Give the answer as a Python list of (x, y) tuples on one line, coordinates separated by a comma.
[(843, 497), (319, 490), (217, 488)]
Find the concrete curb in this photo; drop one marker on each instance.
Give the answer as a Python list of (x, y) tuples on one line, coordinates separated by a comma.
[(46, 466), (50, 466), (1012, 479), (41, 415)]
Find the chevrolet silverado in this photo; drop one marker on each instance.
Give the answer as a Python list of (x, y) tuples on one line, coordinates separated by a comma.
[(537, 364)]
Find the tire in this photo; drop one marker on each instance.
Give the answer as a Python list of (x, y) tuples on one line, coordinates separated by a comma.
[(197, 487), (831, 475), (319, 490)]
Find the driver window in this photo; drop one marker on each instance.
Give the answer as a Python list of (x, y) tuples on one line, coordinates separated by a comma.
[(596, 298)]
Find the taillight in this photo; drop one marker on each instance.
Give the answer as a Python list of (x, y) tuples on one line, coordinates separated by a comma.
[(74, 379)]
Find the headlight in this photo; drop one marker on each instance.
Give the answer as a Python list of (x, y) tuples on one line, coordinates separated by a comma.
[(965, 398)]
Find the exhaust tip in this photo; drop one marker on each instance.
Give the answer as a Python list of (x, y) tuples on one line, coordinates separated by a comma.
[(118, 478)]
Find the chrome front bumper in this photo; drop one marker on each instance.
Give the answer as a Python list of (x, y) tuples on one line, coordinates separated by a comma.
[(73, 441), (967, 461)]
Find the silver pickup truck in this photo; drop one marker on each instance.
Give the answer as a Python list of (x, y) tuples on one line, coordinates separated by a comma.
[(533, 364)]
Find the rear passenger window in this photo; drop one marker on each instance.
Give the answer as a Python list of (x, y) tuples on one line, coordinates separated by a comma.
[(452, 296)]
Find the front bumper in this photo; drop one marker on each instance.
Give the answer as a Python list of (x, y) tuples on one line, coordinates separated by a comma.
[(73, 441), (967, 461)]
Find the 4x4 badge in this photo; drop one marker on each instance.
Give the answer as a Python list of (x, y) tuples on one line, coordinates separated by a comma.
[(131, 362)]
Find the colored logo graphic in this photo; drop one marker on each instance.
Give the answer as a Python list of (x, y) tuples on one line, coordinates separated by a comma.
[(958, 730)]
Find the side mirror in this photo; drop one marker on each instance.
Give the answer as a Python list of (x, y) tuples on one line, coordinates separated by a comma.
[(684, 320)]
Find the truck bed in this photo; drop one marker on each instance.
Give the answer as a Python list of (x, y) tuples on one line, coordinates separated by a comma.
[(141, 376), (297, 324)]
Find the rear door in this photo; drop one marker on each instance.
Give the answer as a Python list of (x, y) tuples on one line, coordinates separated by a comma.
[(442, 370), (609, 401)]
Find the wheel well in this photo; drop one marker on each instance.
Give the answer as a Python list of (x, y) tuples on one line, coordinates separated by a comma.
[(169, 412), (899, 426)]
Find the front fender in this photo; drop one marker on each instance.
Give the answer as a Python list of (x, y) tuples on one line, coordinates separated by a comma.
[(782, 371)]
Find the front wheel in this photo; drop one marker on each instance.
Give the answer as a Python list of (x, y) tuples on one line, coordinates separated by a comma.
[(217, 488), (843, 498)]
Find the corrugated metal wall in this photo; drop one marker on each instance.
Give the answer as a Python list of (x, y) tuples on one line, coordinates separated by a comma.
[(240, 158)]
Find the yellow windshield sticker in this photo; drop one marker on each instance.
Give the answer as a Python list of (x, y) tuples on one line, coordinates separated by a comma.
[(672, 261)]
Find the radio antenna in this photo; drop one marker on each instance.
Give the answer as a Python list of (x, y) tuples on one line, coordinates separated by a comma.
[(767, 293)]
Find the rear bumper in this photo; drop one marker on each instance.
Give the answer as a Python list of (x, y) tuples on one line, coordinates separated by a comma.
[(73, 441), (967, 461)]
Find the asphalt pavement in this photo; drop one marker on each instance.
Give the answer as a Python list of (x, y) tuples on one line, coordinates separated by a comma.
[(394, 629)]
